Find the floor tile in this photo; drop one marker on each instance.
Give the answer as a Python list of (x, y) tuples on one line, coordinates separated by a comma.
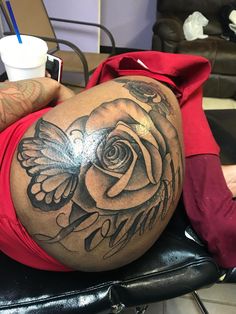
[(218, 103), (218, 299), (128, 311), (222, 293), (186, 305), (155, 308), (219, 308), (180, 306)]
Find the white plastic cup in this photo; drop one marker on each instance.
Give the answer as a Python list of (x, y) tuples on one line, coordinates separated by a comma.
[(26, 60)]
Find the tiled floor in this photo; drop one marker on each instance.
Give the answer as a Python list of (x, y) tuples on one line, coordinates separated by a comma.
[(217, 103), (218, 299)]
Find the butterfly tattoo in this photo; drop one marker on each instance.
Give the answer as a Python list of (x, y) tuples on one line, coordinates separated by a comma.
[(52, 161)]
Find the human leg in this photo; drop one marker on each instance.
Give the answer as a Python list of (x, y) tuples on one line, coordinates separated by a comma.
[(210, 207), (18, 99), (229, 172)]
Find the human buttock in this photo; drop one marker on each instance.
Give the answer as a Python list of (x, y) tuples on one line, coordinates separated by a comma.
[(101, 186)]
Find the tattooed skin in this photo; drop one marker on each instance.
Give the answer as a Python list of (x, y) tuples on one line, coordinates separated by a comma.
[(16, 100), (149, 93), (117, 169)]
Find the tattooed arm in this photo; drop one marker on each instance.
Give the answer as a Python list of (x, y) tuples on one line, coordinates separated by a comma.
[(96, 180), (17, 99)]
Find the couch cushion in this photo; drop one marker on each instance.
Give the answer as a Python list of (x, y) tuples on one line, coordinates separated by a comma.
[(205, 7), (213, 27), (220, 86), (219, 52)]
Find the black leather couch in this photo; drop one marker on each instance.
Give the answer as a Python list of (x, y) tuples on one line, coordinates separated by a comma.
[(168, 36), (177, 264)]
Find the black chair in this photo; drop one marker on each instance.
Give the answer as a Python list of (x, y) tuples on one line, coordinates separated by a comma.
[(178, 263)]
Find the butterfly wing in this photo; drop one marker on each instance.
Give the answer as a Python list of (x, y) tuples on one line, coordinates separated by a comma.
[(50, 160)]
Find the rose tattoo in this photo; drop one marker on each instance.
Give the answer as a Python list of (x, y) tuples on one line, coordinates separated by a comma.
[(116, 167), (149, 93)]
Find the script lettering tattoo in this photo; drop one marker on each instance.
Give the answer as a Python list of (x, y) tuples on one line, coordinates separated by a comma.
[(16, 100), (117, 169)]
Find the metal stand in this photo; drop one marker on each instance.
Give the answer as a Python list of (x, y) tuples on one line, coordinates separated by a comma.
[(199, 302)]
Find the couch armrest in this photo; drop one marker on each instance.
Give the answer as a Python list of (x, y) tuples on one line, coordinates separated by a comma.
[(169, 29)]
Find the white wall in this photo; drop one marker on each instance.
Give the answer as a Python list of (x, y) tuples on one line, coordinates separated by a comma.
[(130, 22), (2, 68), (87, 38)]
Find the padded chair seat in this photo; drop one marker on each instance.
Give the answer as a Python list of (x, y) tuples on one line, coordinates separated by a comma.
[(219, 52), (73, 67), (72, 63)]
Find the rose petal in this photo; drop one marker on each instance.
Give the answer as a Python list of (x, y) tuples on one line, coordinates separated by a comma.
[(173, 142), (119, 160), (108, 114), (133, 183), (109, 172), (141, 130), (156, 161), (98, 183), (138, 172), (145, 154), (124, 180)]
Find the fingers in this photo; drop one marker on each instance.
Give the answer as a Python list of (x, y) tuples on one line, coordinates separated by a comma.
[(64, 93)]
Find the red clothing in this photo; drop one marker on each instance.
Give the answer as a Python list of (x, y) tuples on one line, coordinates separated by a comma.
[(210, 207)]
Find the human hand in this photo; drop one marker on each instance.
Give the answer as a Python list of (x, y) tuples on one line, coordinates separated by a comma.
[(17, 99), (229, 172)]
